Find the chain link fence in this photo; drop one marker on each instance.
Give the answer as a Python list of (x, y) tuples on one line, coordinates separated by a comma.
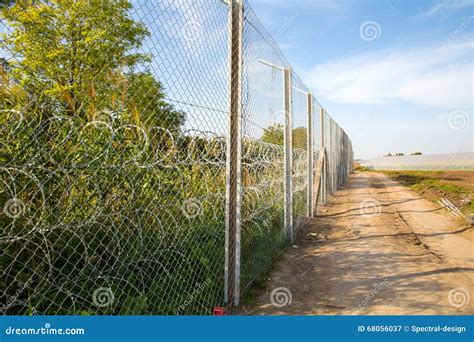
[(155, 157)]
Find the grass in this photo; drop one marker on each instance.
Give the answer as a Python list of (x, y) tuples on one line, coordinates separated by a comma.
[(360, 168), (434, 185), (115, 219)]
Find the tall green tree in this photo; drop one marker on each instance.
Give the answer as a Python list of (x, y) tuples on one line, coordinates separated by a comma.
[(145, 98), (4, 3), (299, 138), (10, 93), (80, 57), (274, 135)]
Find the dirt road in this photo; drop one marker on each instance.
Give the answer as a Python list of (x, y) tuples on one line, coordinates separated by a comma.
[(376, 248)]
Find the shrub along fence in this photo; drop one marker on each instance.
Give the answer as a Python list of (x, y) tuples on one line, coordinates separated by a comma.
[(155, 156)]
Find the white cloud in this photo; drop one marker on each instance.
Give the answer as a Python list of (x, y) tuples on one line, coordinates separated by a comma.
[(436, 77), (442, 5)]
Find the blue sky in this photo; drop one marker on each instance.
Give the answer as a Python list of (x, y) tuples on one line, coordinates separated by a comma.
[(396, 75)]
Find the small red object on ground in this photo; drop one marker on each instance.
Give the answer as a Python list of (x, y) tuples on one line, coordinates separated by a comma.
[(219, 311)]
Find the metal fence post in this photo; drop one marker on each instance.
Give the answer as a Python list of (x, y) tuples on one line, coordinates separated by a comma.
[(338, 156), (336, 184), (234, 154), (333, 155), (331, 164), (323, 145), (329, 142), (309, 142), (288, 155)]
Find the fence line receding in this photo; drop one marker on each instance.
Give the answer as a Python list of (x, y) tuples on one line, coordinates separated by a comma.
[(155, 156)]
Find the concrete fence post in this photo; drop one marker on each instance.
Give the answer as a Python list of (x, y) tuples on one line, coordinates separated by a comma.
[(234, 156), (323, 145), (288, 154), (309, 150)]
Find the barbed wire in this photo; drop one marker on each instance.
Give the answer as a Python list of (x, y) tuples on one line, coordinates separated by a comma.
[(113, 189)]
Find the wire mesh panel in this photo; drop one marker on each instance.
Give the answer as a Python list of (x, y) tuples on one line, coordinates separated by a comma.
[(139, 138), (329, 154), (317, 143), (299, 123), (113, 161), (263, 233)]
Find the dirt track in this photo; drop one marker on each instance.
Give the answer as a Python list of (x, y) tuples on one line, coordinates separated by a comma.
[(376, 248)]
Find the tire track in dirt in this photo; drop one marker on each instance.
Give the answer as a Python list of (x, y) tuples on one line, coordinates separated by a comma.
[(399, 255)]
